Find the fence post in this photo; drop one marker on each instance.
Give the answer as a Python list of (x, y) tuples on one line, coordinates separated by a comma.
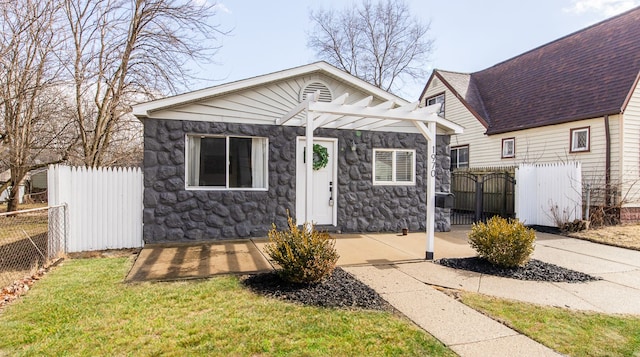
[(479, 199)]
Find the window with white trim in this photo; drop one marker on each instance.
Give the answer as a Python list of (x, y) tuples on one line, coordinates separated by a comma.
[(580, 138), (226, 162), (459, 157), (508, 148), (394, 167), (436, 99)]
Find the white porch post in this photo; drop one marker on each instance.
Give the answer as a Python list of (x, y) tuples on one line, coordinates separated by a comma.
[(431, 190), (308, 153)]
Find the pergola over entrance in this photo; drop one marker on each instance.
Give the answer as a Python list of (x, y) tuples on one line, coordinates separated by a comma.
[(362, 116)]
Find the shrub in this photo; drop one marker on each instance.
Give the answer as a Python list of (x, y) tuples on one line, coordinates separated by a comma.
[(502, 242), (304, 254)]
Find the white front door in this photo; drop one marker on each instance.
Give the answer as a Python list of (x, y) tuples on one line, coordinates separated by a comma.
[(324, 184)]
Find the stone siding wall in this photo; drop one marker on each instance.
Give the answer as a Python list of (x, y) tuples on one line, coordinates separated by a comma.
[(173, 213)]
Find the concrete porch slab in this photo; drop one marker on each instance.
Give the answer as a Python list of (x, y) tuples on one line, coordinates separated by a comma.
[(159, 262)]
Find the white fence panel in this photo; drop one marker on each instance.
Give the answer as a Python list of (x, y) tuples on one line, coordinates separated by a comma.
[(104, 206), (545, 192)]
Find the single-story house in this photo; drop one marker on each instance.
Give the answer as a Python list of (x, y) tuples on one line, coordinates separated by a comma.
[(231, 160), (574, 99)]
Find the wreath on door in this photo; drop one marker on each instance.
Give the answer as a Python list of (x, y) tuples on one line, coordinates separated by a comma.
[(320, 157)]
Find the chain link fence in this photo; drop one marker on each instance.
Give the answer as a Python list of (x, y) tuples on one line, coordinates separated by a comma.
[(29, 240)]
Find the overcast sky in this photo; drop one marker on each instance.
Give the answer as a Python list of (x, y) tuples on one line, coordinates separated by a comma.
[(470, 35)]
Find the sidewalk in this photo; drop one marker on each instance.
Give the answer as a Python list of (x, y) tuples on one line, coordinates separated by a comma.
[(410, 287), (463, 329)]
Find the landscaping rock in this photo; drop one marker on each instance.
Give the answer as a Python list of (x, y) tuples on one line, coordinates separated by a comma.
[(534, 270), (340, 290)]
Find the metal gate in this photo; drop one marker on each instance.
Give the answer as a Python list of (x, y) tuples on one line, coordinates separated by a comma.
[(480, 196)]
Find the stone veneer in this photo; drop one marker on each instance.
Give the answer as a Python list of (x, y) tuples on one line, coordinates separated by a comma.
[(173, 213)]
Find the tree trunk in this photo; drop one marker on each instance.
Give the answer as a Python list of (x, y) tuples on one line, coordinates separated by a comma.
[(14, 198)]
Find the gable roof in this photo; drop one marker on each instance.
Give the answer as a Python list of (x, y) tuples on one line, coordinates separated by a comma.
[(143, 110), (587, 74)]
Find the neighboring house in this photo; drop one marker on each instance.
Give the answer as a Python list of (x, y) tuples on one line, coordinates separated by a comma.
[(229, 161), (574, 99), (4, 195)]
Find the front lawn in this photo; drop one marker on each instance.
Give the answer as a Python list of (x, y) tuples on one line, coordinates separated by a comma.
[(83, 308), (573, 333)]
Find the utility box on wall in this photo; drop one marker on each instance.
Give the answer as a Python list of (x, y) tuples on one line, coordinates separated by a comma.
[(444, 200)]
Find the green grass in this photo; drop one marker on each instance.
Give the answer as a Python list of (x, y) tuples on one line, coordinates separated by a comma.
[(83, 308), (569, 332)]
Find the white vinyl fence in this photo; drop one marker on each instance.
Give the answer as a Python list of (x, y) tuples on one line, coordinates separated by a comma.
[(546, 192), (104, 206)]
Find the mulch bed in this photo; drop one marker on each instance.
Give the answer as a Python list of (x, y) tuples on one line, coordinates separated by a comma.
[(534, 270), (340, 290)]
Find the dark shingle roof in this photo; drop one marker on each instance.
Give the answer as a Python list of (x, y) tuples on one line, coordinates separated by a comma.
[(586, 74)]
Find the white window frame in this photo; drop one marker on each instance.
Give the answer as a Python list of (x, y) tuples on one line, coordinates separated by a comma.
[(574, 139), (506, 154), (457, 148), (434, 99), (394, 180), (227, 138)]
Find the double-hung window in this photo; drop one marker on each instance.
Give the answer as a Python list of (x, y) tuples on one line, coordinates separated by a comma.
[(580, 138), (459, 157), (226, 162), (394, 167)]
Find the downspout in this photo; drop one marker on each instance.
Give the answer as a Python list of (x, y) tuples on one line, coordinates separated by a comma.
[(607, 160)]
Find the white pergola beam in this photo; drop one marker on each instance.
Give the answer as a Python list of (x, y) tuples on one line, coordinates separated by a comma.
[(298, 108), (431, 191), (370, 112), (361, 116), (457, 129), (308, 153), (426, 132), (326, 118)]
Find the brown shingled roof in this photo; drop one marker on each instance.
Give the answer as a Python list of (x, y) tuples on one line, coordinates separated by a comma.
[(586, 74)]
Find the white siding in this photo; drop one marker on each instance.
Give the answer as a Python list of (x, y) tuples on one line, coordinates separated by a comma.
[(549, 144), (631, 150), (265, 103), (258, 105)]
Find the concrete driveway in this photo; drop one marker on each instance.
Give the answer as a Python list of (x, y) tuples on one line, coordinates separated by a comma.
[(157, 262)]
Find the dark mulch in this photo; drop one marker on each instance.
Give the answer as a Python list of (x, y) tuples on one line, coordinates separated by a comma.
[(340, 290), (534, 270)]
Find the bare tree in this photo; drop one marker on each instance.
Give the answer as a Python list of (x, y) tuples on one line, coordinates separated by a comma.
[(380, 43), (127, 50), (29, 131)]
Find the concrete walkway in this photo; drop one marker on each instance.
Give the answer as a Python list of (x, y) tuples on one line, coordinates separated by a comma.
[(410, 287), (394, 266)]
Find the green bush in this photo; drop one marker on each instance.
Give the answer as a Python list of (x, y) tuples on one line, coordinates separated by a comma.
[(304, 254), (502, 242)]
